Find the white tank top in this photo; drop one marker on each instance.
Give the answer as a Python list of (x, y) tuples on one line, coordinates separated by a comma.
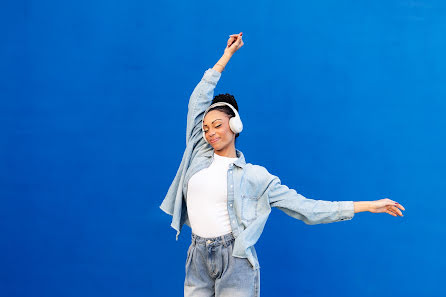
[(207, 199)]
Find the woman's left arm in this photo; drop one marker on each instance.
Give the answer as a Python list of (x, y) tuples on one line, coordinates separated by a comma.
[(312, 211)]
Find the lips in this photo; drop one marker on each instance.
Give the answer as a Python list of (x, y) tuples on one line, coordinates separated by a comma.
[(214, 140)]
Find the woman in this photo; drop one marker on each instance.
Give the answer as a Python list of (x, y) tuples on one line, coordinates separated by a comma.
[(227, 201)]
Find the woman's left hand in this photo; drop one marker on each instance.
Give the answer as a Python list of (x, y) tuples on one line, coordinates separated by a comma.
[(386, 205)]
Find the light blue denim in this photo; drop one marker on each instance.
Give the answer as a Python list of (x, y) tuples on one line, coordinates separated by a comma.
[(252, 190), (211, 270)]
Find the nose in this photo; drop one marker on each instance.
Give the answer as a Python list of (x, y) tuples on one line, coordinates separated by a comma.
[(211, 133)]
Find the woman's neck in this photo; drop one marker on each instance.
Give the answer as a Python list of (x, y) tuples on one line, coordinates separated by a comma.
[(227, 152)]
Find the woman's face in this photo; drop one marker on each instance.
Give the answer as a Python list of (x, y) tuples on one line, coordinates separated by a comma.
[(216, 127)]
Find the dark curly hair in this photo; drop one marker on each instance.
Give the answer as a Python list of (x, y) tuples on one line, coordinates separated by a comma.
[(228, 98)]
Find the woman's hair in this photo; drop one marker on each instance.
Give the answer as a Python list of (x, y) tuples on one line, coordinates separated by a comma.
[(228, 98)]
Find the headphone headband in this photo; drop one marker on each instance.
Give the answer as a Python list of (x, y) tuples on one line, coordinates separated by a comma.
[(235, 123), (220, 104)]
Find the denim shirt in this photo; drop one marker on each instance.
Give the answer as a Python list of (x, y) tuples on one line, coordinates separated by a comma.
[(252, 190)]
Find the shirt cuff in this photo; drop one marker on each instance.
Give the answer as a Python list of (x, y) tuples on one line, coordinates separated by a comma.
[(346, 210), (212, 76)]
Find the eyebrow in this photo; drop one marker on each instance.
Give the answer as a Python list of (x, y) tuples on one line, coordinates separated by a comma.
[(214, 121)]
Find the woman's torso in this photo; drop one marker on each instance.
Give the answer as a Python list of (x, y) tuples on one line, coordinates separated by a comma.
[(207, 199)]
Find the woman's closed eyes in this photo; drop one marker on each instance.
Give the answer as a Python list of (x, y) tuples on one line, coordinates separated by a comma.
[(215, 127)]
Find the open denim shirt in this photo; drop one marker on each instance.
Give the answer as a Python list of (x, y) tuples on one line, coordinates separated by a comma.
[(252, 190)]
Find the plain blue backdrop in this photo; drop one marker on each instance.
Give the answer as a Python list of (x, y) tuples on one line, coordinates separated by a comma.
[(343, 100)]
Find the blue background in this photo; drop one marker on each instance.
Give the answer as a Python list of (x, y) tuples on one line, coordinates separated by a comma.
[(343, 100)]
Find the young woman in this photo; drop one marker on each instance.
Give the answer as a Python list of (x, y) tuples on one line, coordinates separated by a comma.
[(227, 201)]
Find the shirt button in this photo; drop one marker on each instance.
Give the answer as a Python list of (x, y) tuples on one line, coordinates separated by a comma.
[(230, 205), (233, 221), (231, 186)]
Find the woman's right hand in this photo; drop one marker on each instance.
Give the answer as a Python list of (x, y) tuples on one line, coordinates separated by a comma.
[(234, 43)]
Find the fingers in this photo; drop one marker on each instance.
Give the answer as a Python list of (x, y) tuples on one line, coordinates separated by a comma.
[(239, 41), (230, 41), (391, 213), (389, 206), (393, 210), (235, 39), (395, 206), (396, 210), (394, 203), (400, 206)]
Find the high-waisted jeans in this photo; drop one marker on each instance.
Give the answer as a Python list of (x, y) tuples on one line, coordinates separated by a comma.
[(211, 270)]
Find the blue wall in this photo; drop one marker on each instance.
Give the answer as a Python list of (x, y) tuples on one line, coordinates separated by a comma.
[(343, 100)]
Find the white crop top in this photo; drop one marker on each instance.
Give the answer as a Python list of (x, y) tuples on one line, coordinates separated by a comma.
[(207, 198)]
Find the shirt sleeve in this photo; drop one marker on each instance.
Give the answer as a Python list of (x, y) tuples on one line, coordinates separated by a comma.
[(199, 101), (310, 211)]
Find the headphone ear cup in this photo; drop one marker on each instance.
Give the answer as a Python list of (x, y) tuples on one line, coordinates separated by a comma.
[(236, 125)]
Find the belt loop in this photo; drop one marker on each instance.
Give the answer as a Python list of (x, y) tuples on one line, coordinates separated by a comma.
[(224, 241)]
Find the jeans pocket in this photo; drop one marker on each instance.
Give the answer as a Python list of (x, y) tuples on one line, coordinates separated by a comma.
[(188, 253), (257, 283)]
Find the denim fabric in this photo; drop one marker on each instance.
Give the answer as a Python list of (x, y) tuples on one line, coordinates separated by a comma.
[(211, 270), (252, 190)]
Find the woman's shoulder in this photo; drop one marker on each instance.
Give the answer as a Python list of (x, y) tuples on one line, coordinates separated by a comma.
[(258, 172), (256, 180)]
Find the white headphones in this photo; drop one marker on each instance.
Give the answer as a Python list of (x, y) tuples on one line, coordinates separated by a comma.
[(235, 123)]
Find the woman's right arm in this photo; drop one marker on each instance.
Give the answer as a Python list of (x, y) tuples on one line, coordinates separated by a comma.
[(234, 43), (203, 93)]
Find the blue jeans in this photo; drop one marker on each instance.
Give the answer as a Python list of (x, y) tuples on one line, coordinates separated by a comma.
[(211, 270)]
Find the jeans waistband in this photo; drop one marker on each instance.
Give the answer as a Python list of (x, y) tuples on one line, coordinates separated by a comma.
[(225, 240)]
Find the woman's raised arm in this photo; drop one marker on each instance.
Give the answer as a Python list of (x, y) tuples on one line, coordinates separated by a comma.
[(234, 43), (203, 93)]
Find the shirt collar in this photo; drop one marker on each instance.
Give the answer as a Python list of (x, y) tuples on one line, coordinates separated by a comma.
[(240, 162)]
